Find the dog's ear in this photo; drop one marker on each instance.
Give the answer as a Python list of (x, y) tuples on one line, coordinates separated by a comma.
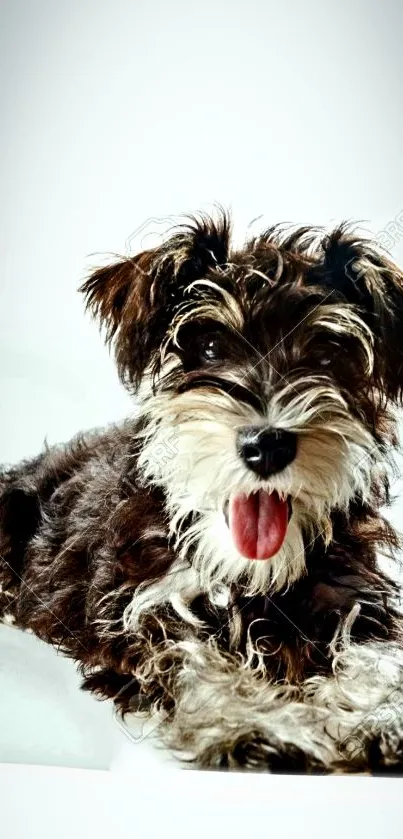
[(358, 272), (135, 298)]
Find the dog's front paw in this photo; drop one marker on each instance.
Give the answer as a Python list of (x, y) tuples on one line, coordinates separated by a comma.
[(385, 755), (252, 752), (377, 752)]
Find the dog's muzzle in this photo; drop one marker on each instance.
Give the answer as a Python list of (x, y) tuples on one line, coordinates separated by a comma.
[(266, 451)]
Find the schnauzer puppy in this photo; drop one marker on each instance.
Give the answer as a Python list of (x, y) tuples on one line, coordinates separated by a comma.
[(214, 560)]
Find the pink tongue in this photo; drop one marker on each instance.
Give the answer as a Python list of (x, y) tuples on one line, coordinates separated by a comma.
[(258, 524)]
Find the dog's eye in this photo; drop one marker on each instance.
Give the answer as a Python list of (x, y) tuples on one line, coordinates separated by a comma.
[(325, 361), (200, 347), (211, 348)]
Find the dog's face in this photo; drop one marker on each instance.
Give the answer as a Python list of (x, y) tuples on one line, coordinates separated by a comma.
[(265, 377)]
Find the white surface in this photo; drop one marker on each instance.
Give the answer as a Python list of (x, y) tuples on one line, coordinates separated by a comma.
[(60, 803), (112, 114)]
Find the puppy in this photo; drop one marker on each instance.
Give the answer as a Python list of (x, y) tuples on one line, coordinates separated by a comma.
[(214, 560)]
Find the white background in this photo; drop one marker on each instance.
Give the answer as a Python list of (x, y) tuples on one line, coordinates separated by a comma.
[(115, 117)]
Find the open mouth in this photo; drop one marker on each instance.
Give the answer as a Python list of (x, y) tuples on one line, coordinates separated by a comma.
[(258, 522)]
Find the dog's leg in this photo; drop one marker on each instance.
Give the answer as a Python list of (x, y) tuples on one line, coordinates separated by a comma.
[(222, 714)]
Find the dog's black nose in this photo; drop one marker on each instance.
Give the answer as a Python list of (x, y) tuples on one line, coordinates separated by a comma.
[(266, 450)]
